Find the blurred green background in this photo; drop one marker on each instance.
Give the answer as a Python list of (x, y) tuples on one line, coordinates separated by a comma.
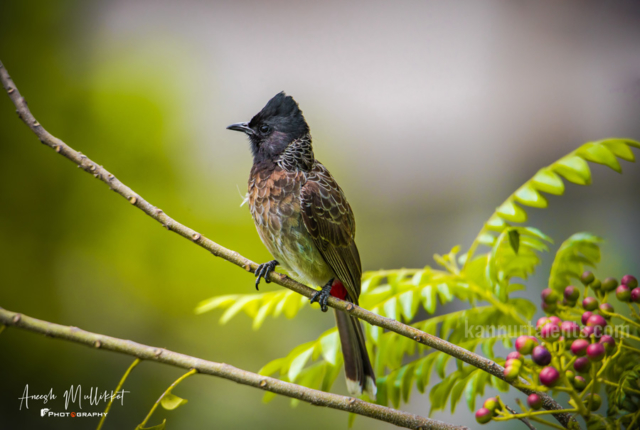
[(429, 114)]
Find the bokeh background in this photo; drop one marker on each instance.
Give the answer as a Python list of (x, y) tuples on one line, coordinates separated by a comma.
[(428, 113)]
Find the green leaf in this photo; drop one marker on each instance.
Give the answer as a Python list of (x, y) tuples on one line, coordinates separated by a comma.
[(390, 308), (548, 181), (329, 345), (574, 169), (512, 212), (237, 307), (214, 303), (160, 426), (262, 313), (271, 367), (171, 401), (599, 153), (578, 252), (528, 195), (514, 240), (298, 363)]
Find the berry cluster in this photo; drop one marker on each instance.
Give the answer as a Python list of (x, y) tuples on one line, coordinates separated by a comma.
[(568, 354)]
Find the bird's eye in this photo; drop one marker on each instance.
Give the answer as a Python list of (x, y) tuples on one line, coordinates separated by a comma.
[(264, 129)]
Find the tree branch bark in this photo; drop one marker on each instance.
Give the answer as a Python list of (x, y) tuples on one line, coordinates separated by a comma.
[(226, 371), (234, 257)]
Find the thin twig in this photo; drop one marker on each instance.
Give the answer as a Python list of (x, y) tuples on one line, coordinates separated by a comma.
[(222, 370), (120, 384), (524, 420), (234, 257), (167, 391)]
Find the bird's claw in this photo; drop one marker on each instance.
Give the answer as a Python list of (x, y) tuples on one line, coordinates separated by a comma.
[(322, 296), (264, 270)]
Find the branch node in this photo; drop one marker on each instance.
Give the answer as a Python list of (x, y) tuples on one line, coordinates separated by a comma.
[(157, 352), (16, 318), (350, 307), (36, 123), (133, 200), (110, 176), (57, 148), (10, 90), (352, 400), (263, 383), (98, 344), (196, 237), (247, 266), (158, 211)]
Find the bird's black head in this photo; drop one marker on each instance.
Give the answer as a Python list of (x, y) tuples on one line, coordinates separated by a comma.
[(278, 124)]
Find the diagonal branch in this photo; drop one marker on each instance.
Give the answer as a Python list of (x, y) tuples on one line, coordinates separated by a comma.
[(226, 371), (234, 257)]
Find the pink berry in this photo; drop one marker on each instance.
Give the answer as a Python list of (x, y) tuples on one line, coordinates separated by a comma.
[(579, 347), (590, 304), (635, 295), (541, 355), (550, 331), (511, 372), (542, 321), (596, 321), (534, 401), (630, 281), (596, 351), (579, 383), (491, 403), (571, 293), (582, 365), (549, 296), (587, 278), (483, 415), (585, 317), (570, 329), (549, 376), (525, 344), (555, 320), (605, 309), (623, 293), (608, 342), (515, 355)]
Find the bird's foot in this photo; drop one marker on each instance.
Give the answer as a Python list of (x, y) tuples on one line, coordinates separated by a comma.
[(264, 270), (322, 296)]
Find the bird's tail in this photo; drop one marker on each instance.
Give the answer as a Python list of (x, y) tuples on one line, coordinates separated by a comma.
[(357, 365)]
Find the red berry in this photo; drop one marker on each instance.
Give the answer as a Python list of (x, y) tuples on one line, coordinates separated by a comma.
[(590, 304), (550, 331), (511, 372), (596, 351), (579, 347), (585, 317), (570, 329), (541, 355), (571, 293), (534, 401), (555, 320), (513, 362), (525, 344), (587, 278), (595, 285), (491, 403), (542, 321), (630, 281), (483, 415), (582, 365), (609, 284), (635, 295), (549, 376), (579, 383), (549, 296), (515, 355), (605, 309), (608, 342), (596, 321), (549, 307), (623, 293)]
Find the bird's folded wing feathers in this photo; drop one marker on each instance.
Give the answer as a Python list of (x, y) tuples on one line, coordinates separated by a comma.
[(330, 221)]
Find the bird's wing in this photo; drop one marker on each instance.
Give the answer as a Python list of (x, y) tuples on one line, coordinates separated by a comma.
[(330, 221)]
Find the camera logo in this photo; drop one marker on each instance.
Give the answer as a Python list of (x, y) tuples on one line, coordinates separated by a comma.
[(43, 411)]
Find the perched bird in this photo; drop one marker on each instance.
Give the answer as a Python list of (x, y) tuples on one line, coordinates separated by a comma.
[(306, 223)]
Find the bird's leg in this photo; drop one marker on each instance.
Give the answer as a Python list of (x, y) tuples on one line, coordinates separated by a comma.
[(264, 270), (322, 296)]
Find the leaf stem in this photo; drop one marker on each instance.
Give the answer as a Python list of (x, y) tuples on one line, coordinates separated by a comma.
[(120, 384), (167, 391)]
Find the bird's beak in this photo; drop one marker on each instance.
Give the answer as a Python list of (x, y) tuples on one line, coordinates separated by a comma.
[(241, 126)]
